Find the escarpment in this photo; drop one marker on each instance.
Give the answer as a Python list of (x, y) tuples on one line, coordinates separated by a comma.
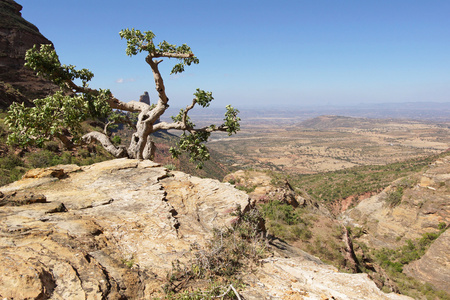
[(17, 83)]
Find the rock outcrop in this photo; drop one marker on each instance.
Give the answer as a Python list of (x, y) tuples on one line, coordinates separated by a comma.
[(18, 84), (145, 98), (116, 213), (262, 190), (434, 266), (113, 229), (424, 204)]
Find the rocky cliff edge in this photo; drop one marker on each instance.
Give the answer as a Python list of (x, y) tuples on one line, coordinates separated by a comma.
[(112, 230)]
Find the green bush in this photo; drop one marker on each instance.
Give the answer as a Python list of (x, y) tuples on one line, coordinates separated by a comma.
[(11, 169), (11, 161), (247, 189), (52, 146), (285, 222), (116, 140), (42, 159), (394, 197), (442, 226), (170, 167)]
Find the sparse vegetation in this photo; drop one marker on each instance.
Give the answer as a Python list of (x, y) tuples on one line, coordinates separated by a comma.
[(285, 222), (216, 268), (393, 261), (329, 250), (129, 263), (394, 197), (247, 189), (332, 186)]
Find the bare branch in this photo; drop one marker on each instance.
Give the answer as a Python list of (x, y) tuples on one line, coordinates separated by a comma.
[(183, 126), (105, 129), (132, 106), (169, 126), (188, 108), (159, 83)]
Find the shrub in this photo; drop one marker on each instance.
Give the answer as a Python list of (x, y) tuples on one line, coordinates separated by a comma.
[(286, 222), (42, 159), (11, 169), (11, 161), (230, 250), (116, 140), (170, 167), (394, 197)]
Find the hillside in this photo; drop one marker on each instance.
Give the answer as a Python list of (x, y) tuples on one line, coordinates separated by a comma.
[(409, 216), (396, 220)]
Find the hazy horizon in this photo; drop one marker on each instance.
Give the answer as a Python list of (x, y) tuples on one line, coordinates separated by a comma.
[(422, 111)]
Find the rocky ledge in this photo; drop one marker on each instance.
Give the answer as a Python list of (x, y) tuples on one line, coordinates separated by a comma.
[(113, 229)]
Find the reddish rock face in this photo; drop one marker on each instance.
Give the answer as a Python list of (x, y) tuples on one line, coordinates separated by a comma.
[(18, 84)]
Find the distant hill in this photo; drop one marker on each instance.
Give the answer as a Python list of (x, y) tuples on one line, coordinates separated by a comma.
[(329, 122), (335, 122), (18, 84)]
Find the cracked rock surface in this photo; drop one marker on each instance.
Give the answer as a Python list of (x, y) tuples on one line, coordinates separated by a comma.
[(112, 230), (117, 214)]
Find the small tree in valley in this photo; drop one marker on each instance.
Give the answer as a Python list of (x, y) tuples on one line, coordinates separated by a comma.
[(60, 115)]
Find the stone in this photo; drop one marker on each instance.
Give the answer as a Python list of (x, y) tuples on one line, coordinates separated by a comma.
[(434, 266), (96, 218), (145, 98), (21, 198)]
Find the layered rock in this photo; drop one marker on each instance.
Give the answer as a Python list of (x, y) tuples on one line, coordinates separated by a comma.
[(425, 203), (113, 229), (434, 266), (18, 84)]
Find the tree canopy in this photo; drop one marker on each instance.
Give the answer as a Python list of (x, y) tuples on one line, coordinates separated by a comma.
[(60, 115)]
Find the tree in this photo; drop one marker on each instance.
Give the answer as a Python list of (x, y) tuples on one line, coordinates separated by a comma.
[(61, 115)]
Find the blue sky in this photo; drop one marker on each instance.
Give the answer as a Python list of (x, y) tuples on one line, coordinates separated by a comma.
[(262, 53)]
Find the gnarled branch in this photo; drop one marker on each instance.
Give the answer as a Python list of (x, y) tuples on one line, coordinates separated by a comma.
[(106, 143)]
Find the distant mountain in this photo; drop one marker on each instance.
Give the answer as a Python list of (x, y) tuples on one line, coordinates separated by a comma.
[(18, 84), (329, 122), (325, 122), (288, 115)]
